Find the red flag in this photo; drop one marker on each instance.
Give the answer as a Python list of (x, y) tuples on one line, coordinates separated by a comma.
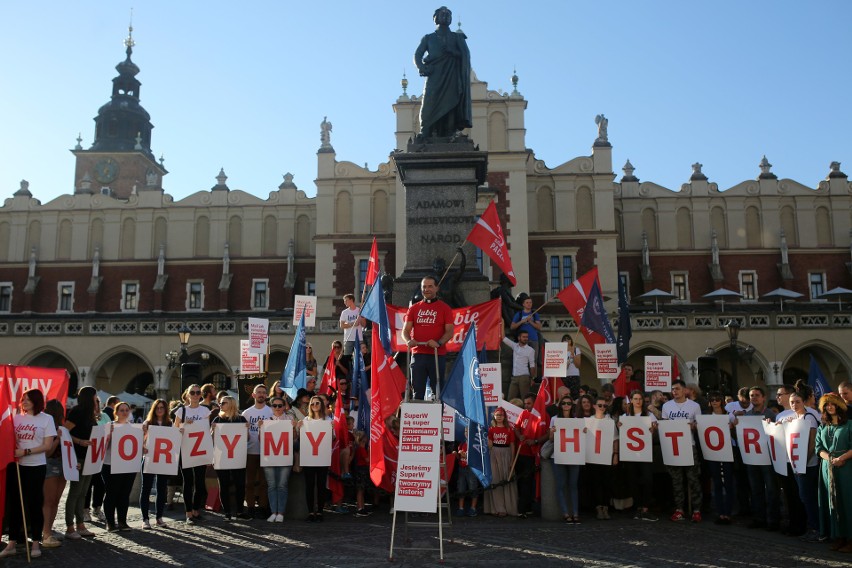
[(530, 422), (373, 264), (341, 440), (377, 420), (575, 297), (487, 234), (329, 375), (675, 369), (7, 435), (390, 448), (620, 383)]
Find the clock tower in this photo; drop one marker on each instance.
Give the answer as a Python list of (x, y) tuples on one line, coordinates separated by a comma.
[(120, 162)]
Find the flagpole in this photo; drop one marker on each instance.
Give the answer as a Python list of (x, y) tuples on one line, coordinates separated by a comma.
[(448, 268), (515, 461), (23, 511)]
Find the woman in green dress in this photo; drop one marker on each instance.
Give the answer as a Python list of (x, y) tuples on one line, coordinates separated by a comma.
[(834, 448)]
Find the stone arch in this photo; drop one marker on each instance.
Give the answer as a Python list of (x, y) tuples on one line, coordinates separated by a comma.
[(752, 370), (832, 360), (585, 208), (96, 236), (235, 236), (127, 243), (683, 220), (202, 236), (823, 227), (269, 237), (719, 223), (53, 358), (649, 225), (123, 368), (754, 227), (379, 211), (788, 225), (63, 240), (343, 212), (545, 209), (303, 235), (160, 236), (497, 132)]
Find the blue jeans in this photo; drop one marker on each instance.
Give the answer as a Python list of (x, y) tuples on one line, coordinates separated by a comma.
[(808, 487), (571, 475), (276, 487), (724, 483), (765, 505)]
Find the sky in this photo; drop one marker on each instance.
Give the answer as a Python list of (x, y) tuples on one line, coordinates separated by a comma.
[(245, 85)]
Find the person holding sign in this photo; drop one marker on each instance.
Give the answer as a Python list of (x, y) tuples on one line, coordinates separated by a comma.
[(34, 435), (157, 416), (194, 489), (834, 448), (567, 473), (600, 475), (722, 473), (277, 477), (54, 482), (117, 485), (256, 488), (229, 414), (80, 421), (641, 474), (765, 502), (315, 476), (809, 481), (681, 408)]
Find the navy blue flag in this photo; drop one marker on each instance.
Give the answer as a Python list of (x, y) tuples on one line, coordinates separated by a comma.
[(295, 371), (625, 329), (376, 311), (594, 316), (359, 388), (817, 380), (463, 389), (478, 458)]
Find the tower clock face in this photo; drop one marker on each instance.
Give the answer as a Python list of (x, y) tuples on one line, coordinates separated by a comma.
[(106, 170)]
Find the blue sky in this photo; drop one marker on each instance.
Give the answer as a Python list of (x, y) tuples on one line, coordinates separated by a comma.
[(245, 86)]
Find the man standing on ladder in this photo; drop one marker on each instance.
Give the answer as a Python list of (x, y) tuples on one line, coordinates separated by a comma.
[(428, 327)]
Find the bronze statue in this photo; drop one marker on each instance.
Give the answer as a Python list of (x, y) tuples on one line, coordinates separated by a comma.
[(450, 288), (444, 59)]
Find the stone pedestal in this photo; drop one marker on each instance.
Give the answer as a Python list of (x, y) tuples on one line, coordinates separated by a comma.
[(441, 178), (549, 504)]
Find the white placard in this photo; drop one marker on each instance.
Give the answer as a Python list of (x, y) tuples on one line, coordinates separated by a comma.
[(258, 331), (419, 433), (163, 450), (126, 448), (276, 443), (315, 443), (752, 440), (308, 304), (449, 420), (606, 361), (230, 444), (250, 363), (96, 452), (797, 436), (555, 362), (676, 442), (635, 440), (776, 444), (714, 435), (417, 487), (512, 412), (600, 434), (491, 375), (658, 373), (196, 445), (569, 441), (69, 457)]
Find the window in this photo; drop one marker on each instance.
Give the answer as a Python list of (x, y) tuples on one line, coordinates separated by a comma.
[(560, 269), (129, 296), (66, 297), (624, 280), (260, 294), (195, 295), (816, 282), (362, 262), (5, 297), (748, 285), (680, 286), (310, 288)]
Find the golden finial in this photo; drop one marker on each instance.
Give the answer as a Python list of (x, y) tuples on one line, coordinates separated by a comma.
[(129, 41)]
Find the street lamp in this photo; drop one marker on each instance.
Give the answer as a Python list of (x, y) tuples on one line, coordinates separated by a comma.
[(733, 329)]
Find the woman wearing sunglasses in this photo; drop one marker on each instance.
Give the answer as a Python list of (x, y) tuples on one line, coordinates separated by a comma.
[(194, 490), (277, 477), (599, 475), (229, 413), (640, 474), (315, 476), (564, 473)]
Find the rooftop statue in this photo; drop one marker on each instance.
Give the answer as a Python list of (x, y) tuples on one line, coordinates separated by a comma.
[(444, 59)]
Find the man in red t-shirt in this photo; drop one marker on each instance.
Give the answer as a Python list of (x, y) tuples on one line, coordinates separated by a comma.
[(428, 326)]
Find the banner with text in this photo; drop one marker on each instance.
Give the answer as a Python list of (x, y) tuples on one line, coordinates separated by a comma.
[(53, 383), (250, 363), (636, 439), (69, 458), (315, 443), (307, 304), (606, 361), (569, 441), (125, 448), (487, 317), (491, 375), (555, 362), (230, 442), (96, 452), (162, 445), (658, 373), (258, 332), (196, 446), (419, 450), (276, 443)]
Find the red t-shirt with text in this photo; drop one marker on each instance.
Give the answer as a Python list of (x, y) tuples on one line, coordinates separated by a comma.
[(502, 436), (428, 321)]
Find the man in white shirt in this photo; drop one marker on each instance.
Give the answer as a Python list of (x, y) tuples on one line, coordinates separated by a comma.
[(681, 408), (523, 366), (255, 480), (352, 325)]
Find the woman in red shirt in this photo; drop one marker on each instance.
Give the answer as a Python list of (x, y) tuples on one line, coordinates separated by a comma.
[(502, 499)]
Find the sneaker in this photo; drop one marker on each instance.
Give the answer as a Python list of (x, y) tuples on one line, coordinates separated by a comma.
[(366, 513), (73, 535), (191, 520), (696, 517), (340, 510), (271, 518), (98, 513), (460, 512), (112, 528), (637, 516), (647, 516), (160, 522), (84, 532), (146, 524), (471, 512), (279, 518), (87, 515), (678, 516), (811, 536), (50, 542), (124, 527)]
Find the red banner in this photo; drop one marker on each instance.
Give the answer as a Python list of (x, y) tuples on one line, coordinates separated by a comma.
[(487, 317), (53, 383)]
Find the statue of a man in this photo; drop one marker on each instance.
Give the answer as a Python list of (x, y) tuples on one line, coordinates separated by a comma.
[(444, 59)]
